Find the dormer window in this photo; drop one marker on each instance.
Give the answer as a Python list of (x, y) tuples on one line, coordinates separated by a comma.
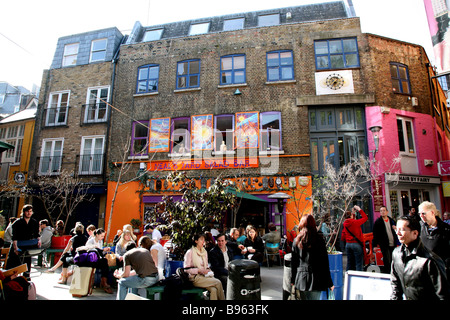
[(199, 28), (98, 50), (152, 35), (70, 54), (233, 24), (269, 20)]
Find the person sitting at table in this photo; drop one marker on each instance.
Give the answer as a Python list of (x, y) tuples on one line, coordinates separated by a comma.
[(124, 244), (254, 246), (78, 240)]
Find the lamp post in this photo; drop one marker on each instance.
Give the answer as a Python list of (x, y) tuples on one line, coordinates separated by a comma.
[(281, 197), (376, 138)]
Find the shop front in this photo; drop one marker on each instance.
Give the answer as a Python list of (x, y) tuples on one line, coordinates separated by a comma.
[(404, 191)]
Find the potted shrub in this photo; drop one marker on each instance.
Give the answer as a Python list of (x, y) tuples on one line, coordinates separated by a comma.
[(190, 214)]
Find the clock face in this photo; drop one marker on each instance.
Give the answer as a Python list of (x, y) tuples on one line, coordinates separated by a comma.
[(335, 81)]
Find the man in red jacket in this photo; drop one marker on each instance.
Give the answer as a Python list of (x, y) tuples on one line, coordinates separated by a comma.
[(353, 237)]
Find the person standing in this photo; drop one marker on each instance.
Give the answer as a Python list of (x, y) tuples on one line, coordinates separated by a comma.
[(385, 237), (310, 270), (412, 213), (139, 271), (353, 237), (25, 235), (435, 234), (417, 273)]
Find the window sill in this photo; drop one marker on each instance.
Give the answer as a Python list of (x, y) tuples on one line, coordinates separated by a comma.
[(271, 152), (221, 153), (187, 90), (282, 82), (146, 94), (143, 157), (226, 86), (179, 155)]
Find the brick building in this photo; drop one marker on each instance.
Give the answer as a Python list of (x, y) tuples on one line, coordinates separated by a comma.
[(73, 116)]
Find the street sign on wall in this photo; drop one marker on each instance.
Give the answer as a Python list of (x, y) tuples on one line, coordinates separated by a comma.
[(444, 168)]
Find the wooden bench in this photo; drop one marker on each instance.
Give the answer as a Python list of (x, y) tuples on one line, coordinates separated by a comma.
[(198, 292)]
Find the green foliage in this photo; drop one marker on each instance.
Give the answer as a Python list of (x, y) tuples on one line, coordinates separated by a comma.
[(189, 215)]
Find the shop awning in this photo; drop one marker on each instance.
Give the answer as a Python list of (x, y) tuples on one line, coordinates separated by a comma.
[(239, 194), (5, 146)]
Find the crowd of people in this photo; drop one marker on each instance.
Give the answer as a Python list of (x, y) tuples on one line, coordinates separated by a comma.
[(415, 250)]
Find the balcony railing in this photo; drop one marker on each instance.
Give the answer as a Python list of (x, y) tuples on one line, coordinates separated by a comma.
[(94, 113), (90, 164), (54, 117), (49, 165)]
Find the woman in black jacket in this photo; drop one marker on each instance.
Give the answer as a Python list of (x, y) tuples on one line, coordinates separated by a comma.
[(310, 271), (254, 246)]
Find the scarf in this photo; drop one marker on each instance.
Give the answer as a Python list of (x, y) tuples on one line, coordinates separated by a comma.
[(199, 257)]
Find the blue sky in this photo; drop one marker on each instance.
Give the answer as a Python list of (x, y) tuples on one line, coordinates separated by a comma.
[(29, 29)]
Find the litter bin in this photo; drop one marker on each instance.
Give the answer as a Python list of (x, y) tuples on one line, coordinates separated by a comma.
[(287, 276), (244, 280)]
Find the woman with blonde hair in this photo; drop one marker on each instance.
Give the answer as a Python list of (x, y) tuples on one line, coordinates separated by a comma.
[(124, 244), (201, 276)]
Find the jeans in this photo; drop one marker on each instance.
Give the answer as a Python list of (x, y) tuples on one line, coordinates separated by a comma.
[(354, 256), (133, 283)]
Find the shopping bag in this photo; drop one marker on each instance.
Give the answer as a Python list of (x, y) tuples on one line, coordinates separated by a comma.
[(331, 295)]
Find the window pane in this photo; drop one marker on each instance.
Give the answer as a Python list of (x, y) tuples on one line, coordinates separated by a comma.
[(405, 87), (233, 24), (100, 55), (70, 49), (286, 73), (314, 156), (272, 59), (142, 86), (321, 47), (227, 63), (335, 46), (402, 72), (226, 77), (194, 67), (199, 28), (239, 62), (140, 131), (286, 58), (274, 75), (409, 134), (193, 81), (99, 45), (268, 20), (396, 85), (182, 68), (154, 73), (239, 77), (337, 61), (401, 140), (394, 71), (350, 45), (351, 60), (322, 62), (312, 118), (153, 35), (143, 74)]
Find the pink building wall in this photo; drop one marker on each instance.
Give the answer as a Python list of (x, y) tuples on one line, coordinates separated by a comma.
[(425, 138)]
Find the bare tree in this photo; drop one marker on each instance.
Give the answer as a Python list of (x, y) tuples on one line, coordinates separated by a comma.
[(337, 189)]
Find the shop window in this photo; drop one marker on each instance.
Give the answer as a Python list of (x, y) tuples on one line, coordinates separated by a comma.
[(224, 133), (270, 131), (180, 135)]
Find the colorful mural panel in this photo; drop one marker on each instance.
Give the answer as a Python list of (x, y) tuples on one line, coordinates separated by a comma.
[(247, 129), (159, 135), (202, 128)]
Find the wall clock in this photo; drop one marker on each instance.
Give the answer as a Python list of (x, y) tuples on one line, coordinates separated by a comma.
[(335, 81)]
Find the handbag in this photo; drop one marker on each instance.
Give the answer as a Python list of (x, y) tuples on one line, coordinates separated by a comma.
[(359, 241), (111, 257), (331, 295), (184, 276)]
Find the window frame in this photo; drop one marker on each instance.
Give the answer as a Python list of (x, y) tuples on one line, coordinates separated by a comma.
[(134, 139), (58, 108), (268, 23), (331, 54), (93, 156), (265, 144), (405, 137), (66, 55), (158, 32), (186, 134), (233, 70), (280, 66), (97, 106), (96, 51), (188, 75), (228, 132), (51, 167), (148, 79), (201, 26), (231, 22), (398, 79)]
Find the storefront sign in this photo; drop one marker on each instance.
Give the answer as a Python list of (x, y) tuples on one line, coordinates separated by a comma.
[(402, 178), (377, 194), (202, 164), (446, 188)]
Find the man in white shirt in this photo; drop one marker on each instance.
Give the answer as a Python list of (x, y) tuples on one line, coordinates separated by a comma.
[(156, 235)]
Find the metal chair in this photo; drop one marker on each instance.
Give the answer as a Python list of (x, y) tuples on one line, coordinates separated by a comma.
[(4, 257), (276, 252)]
